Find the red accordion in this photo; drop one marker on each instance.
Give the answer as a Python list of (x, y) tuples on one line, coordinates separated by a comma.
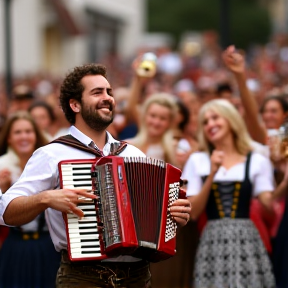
[(130, 215)]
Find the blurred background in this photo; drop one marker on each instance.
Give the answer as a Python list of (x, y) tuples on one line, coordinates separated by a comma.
[(41, 40), (51, 36)]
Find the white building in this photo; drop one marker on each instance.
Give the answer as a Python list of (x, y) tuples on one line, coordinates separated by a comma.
[(56, 35)]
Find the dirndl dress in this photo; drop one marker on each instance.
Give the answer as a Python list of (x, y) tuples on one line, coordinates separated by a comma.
[(29, 259), (231, 253)]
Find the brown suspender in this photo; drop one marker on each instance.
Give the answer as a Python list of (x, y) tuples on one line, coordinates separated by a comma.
[(116, 147)]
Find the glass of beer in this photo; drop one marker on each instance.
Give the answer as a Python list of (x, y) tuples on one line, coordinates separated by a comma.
[(148, 65)]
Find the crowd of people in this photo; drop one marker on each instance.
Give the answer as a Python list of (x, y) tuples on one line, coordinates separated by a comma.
[(217, 114)]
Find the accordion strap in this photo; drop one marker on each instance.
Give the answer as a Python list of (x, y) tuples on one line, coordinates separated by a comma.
[(116, 147)]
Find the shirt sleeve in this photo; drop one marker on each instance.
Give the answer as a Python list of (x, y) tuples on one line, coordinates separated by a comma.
[(40, 174), (190, 174), (263, 176)]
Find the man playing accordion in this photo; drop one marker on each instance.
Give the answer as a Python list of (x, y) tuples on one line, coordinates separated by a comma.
[(86, 98)]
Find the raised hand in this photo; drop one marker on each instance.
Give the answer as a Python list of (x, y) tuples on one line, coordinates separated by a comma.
[(136, 66), (216, 160), (233, 60)]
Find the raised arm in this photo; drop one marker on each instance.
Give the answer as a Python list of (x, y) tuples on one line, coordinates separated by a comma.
[(136, 87), (133, 99), (235, 62)]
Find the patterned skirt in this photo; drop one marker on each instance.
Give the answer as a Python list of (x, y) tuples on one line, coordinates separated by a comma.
[(231, 254)]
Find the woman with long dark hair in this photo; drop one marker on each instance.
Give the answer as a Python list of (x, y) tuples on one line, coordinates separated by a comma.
[(27, 258)]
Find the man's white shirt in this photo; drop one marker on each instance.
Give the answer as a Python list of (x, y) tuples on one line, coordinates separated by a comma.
[(41, 173)]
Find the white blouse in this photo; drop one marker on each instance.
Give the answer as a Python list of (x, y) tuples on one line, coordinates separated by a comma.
[(260, 173)]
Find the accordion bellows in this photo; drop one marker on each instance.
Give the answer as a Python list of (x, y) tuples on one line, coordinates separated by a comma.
[(130, 215)]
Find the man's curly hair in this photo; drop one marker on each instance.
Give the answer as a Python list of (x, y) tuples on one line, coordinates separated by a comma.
[(72, 88)]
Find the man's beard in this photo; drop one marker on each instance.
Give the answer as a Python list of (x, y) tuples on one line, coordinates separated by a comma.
[(94, 120)]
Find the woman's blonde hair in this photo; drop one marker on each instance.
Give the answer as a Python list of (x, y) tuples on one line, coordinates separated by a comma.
[(165, 100), (224, 108)]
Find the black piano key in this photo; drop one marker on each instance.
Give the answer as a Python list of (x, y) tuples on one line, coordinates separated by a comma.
[(87, 227), (90, 246), (90, 252), (88, 233)]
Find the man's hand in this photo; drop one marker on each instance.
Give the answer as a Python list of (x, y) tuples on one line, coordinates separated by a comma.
[(28, 207), (180, 210), (66, 200)]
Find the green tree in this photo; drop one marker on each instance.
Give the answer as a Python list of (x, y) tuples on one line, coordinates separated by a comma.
[(248, 21)]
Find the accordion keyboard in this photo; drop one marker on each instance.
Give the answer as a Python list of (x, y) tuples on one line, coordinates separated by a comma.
[(83, 233)]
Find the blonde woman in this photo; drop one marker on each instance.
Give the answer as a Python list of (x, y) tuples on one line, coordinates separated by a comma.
[(222, 179), (155, 136)]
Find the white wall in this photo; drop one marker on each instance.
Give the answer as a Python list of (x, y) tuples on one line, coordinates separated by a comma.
[(30, 16), (74, 53), (131, 12), (25, 34), (279, 14)]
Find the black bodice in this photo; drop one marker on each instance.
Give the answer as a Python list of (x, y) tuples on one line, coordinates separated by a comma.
[(230, 199)]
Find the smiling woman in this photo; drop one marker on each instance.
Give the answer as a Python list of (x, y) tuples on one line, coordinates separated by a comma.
[(274, 111), (222, 180), (155, 136), (28, 250)]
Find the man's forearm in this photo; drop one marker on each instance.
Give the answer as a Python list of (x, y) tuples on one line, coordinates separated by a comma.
[(24, 209)]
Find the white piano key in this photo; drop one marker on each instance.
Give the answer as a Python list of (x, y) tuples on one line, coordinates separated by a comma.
[(91, 238), (82, 220), (72, 216), (76, 176), (85, 207), (87, 187), (76, 169), (70, 177), (87, 200), (78, 237), (82, 183), (79, 255), (69, 173), (83, 244), (83, 173), (77, 225), (77, 230), (81, 250), (90, 213), (85, 218), (75, 165), (70, 167)]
